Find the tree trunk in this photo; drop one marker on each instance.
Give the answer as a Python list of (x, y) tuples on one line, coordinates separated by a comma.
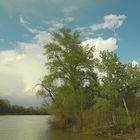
[(125, 106)]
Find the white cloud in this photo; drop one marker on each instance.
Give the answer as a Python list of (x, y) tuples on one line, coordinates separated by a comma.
[(42, 38), (24, 22), (81, 28), (134, 63), (87, 34), (57, 25), (23, 67), (110, 22), (67, 19), (101, 44), (54, 25)]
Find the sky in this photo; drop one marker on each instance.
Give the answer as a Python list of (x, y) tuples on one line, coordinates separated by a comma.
[(26, 26)]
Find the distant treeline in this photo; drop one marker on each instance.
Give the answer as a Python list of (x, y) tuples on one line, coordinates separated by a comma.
[(7, 108)]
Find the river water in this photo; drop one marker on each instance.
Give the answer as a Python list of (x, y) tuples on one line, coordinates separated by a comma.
[(32, 127)]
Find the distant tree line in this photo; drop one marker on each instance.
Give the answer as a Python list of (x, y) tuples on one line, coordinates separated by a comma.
[(88, 93), (7, 108)]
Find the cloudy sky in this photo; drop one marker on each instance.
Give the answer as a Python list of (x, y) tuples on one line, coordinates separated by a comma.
[(25, 26)]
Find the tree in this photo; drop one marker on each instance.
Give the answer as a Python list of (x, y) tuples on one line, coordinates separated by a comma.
[(74, 86), (120, 83), (4, 106), (71, 82)]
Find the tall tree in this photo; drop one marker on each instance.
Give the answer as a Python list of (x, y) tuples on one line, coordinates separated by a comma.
[(71, 82)]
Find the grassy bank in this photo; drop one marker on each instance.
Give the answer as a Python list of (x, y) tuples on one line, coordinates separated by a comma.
[(116, 126)]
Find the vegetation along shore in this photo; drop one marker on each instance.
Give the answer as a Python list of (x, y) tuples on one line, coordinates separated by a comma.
[(88, 93)]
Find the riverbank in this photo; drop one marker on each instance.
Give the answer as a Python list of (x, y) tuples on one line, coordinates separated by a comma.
[(130, 135), (97, 124), (108, 134), (113, 134)]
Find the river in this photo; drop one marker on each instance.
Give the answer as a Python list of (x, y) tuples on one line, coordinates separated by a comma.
[(32, 127)]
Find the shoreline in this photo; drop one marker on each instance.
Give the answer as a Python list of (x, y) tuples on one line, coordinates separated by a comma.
[(130, 135)]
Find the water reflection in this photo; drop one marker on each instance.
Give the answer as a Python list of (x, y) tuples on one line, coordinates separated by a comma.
[(34, 128)]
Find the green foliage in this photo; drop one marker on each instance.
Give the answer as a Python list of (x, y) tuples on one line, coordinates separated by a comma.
[(7, 108), (121, 81), (4, 105), (77, 83), (70, 67)]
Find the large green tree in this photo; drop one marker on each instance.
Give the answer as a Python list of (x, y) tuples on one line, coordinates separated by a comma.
[(71, 82)]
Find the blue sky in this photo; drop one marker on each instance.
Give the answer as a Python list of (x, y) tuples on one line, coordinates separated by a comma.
[(84, 12), (25, 26)]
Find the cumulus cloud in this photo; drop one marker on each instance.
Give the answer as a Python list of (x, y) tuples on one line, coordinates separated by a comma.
[(110, 22), (101, 44), (23, 67)]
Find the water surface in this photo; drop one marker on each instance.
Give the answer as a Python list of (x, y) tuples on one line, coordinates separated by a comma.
[(32, 127)]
